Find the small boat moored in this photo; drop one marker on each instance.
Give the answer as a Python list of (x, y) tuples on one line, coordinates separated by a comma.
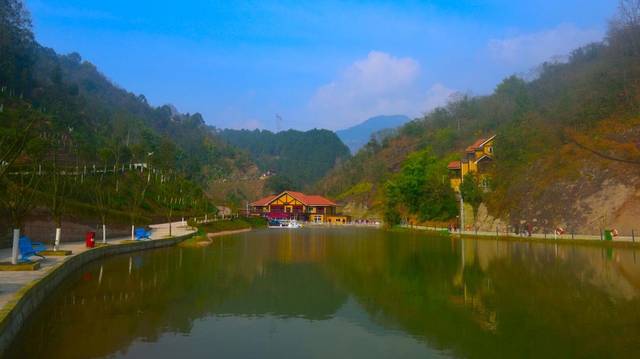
[(284, 223)]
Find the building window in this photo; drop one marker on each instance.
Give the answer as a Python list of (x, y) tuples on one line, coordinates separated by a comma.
[(485, 183)]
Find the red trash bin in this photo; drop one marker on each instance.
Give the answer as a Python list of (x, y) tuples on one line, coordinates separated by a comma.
[(90, 239)]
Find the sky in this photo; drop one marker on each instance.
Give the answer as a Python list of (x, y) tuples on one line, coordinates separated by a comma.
[(315, 64)]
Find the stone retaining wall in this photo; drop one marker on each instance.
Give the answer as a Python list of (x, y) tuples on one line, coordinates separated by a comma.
[(14, 313)]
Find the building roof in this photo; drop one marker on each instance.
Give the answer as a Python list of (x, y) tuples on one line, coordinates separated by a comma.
[(485, 157), (454, 165), (315, 200), (264, 201), (479, 143), (309, 200)]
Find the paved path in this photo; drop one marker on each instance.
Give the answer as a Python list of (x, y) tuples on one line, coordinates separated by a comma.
[(11, 282), (534, 235)]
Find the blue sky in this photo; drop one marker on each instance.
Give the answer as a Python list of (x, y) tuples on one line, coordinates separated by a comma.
[(327, 64)]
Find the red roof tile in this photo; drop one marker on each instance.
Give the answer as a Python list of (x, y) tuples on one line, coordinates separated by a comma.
[(309, 200), (263, 201), (315, 200), (454, 165), (476, 145)]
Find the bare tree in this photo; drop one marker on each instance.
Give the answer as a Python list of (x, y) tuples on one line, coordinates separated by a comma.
[(14, 137), (629, 13), (19, 199), (139, 187)]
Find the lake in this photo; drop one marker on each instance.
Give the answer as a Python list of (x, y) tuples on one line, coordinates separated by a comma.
[(345, 293)]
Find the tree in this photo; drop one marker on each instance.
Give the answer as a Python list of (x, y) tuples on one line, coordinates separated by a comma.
[(103, 188), (278, 183), (391, 214), (18, 200), (171, 191), (58, 185), (472, 193), (60, 181), (139, 183), (420, 186), (18, 127), (16, 47)]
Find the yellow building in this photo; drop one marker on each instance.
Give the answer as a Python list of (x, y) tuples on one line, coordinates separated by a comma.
[(478, 158)]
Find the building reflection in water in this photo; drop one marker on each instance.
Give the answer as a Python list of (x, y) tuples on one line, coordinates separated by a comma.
[(450, 294)]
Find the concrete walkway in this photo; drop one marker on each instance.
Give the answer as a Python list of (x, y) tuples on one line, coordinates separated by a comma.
[(588, 237), (12, 282)]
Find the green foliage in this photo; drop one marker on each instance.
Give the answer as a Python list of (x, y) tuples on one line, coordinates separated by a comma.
[(391, 214), (233, 224), (279, 184), (422, 188), (302, 157), (471, 192), (357, 190), (533, 120), (61, 116), (16, 46)]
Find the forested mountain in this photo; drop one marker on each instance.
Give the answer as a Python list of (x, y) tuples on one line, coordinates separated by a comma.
[(59, 114), (296, 158), (567, 149), (77, 96), (357, 136)]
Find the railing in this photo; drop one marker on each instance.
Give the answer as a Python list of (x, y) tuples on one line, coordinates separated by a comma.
[(630, 236)]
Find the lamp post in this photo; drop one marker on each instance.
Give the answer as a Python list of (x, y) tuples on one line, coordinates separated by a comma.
[(461, 214)]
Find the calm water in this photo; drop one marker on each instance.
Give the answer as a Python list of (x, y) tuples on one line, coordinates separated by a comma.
[(345, 293)]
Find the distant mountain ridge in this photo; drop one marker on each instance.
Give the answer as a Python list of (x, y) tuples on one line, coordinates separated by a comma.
[(301, 157), (357, 136)]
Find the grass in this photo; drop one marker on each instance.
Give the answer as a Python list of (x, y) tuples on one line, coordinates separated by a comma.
[(195, 241), (230, 225), (201, 239)]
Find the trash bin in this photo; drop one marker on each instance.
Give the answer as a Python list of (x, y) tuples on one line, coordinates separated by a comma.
[(608, 235), (90, 239)]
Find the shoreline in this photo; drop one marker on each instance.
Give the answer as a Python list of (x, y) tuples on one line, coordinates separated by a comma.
[(33, 291), (578, 240), (228, 233)]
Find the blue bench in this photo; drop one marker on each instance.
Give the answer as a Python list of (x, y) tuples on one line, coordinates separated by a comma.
[(141, 233), (29, 249)]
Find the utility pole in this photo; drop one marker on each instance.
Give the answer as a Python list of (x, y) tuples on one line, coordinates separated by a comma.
[(461, 214)]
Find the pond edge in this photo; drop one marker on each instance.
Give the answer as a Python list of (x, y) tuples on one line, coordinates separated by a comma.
[(28, 298)]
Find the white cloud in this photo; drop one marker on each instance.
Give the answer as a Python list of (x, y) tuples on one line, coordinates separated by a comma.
[(381, 84), (437, 95), (532, 49)]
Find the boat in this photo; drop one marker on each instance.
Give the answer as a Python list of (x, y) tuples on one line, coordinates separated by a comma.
[(284, 223)]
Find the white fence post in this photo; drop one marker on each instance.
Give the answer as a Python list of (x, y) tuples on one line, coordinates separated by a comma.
[(56, 243), (14, 248)]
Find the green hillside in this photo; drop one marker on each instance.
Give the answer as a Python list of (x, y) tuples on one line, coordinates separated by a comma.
[(93, 144), (567, 150), (297, 158)]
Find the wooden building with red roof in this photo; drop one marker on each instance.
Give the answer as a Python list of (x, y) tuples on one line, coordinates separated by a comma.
[(294, 205)]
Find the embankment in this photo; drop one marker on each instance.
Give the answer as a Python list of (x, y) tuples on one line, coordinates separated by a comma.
[(27, 299)]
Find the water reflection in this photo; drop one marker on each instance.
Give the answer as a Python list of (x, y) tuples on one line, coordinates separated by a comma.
[(346, 293)]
